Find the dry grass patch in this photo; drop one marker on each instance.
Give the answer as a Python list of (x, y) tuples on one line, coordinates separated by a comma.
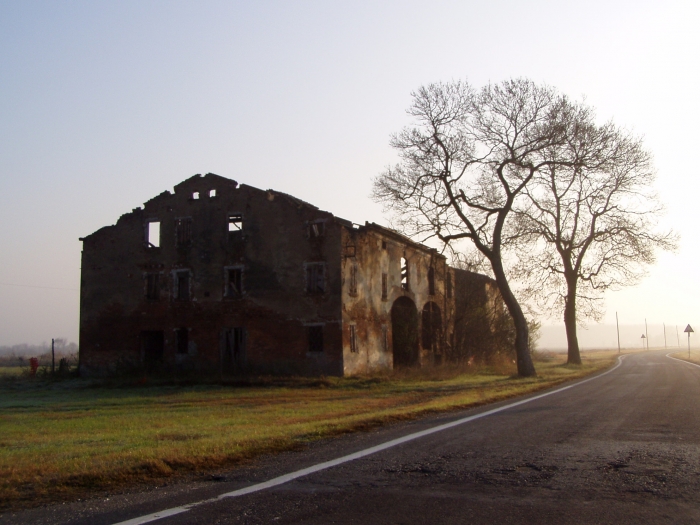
[(11, 371), (683, 356), (61, 440)]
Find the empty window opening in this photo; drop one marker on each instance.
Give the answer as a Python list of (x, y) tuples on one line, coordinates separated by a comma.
[(182, 285), (234, 347), (404, 273), (448, 285), (152, 349), (182, 340), (234, 282), (152, 286), (385, 286), (383, 245), (195, 195), (353, 338), (153, 234), (350, 250), (385, 338), (315, 278), (431, 281), (235, 222), (212, 193), (315, 337), (353, 280), (183, 231), (316, 230)]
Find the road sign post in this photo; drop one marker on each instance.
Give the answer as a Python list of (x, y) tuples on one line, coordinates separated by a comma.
[(689, 330)]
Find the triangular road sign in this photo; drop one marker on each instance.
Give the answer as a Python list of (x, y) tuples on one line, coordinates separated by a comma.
[(688, 329)]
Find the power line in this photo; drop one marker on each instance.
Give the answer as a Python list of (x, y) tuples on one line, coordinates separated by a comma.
[(43, 287)]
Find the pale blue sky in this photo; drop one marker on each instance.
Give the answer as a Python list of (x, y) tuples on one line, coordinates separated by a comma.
[(106, 104)]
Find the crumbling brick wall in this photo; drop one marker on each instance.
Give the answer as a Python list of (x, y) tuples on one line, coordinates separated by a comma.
[(217, 278), (210, 230), (482, 327)]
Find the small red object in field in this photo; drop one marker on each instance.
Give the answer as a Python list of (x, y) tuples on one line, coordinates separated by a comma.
[(33, 366)]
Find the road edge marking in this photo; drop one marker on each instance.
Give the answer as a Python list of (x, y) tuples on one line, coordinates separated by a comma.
[(681, 360), (286, 478)]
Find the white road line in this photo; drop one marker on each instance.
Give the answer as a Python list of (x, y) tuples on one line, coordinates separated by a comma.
[(158, 515), (351, 457), (680, 360)]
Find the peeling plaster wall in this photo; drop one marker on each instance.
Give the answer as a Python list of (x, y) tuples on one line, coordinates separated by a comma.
[(374, 251)]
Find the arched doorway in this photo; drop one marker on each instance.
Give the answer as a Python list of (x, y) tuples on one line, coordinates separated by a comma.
[(431, 327), (404, 328)]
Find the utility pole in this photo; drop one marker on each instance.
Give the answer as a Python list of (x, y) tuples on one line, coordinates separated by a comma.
[(53, 357), (617, 322), (678, 337), (665, 345), (646, 331)]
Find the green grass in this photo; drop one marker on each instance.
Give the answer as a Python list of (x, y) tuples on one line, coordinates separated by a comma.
[(60, 440)]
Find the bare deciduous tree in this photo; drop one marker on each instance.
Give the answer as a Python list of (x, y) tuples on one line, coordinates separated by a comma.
[(591, 219), (466, 161)]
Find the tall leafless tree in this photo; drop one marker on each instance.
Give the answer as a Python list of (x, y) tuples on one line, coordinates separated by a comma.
[(591, 219), (464, 163)]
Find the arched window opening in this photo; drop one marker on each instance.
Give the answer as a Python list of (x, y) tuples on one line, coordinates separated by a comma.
[(404, 332)]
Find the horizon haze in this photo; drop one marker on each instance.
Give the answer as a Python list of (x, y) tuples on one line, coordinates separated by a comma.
[(107, 105)]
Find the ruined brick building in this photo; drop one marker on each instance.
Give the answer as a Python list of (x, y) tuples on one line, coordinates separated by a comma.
[(219, 277)]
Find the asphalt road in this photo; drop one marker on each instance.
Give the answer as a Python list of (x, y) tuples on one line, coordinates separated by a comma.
[(620, 448)]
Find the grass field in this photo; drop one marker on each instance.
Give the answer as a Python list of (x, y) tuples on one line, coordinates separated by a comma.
[(63, 439), (11, 371), (683, 354)]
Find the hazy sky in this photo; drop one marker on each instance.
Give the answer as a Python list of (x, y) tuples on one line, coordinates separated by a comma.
[(104, 105)]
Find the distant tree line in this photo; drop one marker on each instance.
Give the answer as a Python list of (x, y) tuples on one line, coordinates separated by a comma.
[(17, 355)]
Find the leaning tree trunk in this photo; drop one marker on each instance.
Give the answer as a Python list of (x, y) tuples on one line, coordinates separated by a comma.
[(574, 354), (522, 339)]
